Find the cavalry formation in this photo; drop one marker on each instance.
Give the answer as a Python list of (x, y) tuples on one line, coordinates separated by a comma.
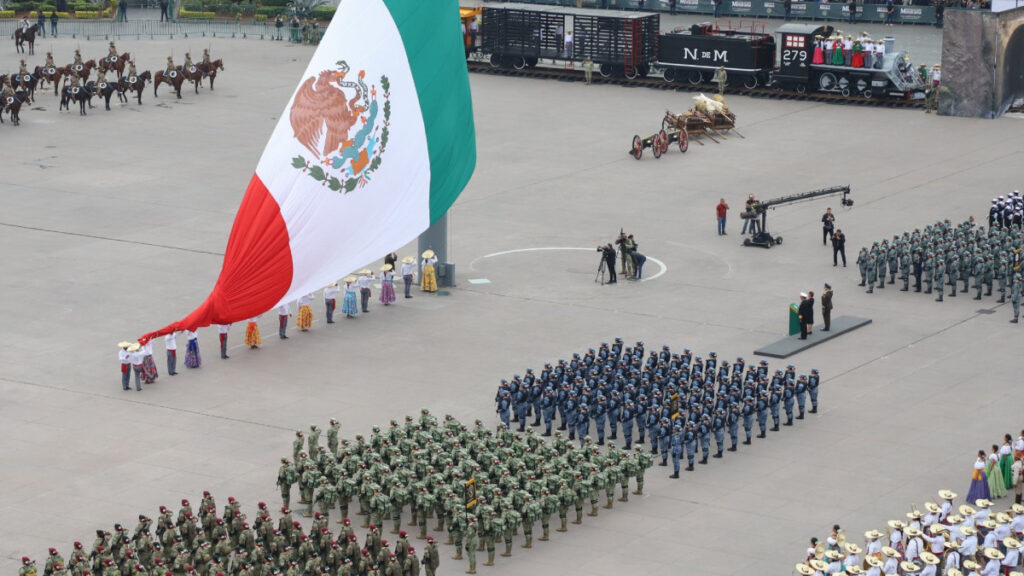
[(73, 83)]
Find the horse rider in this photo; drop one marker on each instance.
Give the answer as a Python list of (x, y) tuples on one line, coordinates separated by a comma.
[(170, 66), (49, 61), (101, 78), (7, 91), (131, 70), (207, 65), (23, 69), (78, 59), (112, 52), (187, 66), (24, 25), (73, 81)]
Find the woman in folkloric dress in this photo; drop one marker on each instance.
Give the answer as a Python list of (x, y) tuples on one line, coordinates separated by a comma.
[(350, 305), (428, 282), (305, 318), (819, 54), (996, 485), (252, 333), (192, 357), (1006, 461), (149, 372), (387, 284)]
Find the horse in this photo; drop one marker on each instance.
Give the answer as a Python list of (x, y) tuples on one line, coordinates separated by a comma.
[(136, 84), (83, 70), (194, 75), (21, 36), (115, 63), (211, 70), (53, 74), (83, 95), (13, 105), (175, 79), (26, 82), (106, 90)]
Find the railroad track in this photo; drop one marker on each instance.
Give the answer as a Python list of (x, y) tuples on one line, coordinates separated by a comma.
[(657, 83)]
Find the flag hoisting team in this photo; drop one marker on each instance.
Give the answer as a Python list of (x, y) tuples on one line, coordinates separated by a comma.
[(137, 358)]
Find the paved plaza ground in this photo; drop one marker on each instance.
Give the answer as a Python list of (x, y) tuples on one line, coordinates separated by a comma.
[(112, 225)]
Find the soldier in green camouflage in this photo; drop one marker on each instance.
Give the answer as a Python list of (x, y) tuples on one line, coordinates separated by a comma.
[(510, 519), (332, 436), (325, 497), (297, 445), (471, 542)]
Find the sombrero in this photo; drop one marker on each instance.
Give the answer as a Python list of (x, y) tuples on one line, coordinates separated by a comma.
[(929, 558), (967, 510), (386, 268), (134, 347), (890, 552), (349, 279), (872, 561), (896, 524), (971, 565), (873, 535), (1011, 542), (932, 507), (911, 531), (947, 494), (428, 254), (852, 548), (408, 260), (994, 554), (909, 567), (936, 528), (365, 272), (804, 569), (818, 565), (123, 344)]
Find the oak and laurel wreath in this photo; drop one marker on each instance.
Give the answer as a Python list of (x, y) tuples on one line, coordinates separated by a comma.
[(350, 184)]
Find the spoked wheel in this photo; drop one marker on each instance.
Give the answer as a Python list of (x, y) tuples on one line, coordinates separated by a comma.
[(750, 82), (657, 146), (827, 82), (684, 141), (638, 147), (518, 62), (664, 141), (694, 78), (867, 94), (495, 61), (669, 75)]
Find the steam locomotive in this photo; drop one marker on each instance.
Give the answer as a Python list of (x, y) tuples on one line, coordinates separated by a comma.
[(630, 45)]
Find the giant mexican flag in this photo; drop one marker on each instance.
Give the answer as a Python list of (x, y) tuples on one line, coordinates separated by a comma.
[(375, 144)]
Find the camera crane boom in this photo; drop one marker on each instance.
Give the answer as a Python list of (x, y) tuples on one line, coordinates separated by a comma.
[(760, 210)]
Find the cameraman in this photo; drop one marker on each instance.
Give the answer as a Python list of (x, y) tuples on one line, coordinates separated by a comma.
[(608, 253)]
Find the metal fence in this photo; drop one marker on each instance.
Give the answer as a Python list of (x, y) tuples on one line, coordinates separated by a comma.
[(152, 29)]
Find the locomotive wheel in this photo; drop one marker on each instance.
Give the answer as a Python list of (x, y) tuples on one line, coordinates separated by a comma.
[(518, 62), (638, 147), (531, 62), (664, 141), (669, 75), (862, 85), (801, 89), (656, 146), (827, 82), (694, 78), (606, 70), (750, 82), (684, 141), (495, 61), (867, 94), (845, 92), (631, 73)]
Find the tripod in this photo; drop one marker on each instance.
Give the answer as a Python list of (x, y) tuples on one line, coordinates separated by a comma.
[(600, 272)]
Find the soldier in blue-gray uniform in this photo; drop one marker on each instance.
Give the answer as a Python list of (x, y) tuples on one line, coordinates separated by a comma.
[(600, 414), (504, 403), (788, 398), (690, 441), (929, 269), (880, 260), (522, 400), (733, 421), (1000, 274), (918, 269), (572, 409), (812, 389), (653, 421), (664, 431), (548, 404), (748, 417), (940, 278), (677, 449), (718, 428), (862, 265), (892, 259), (704, 434), (762, 413), (773, 402), (954, 273), (905, 268), (583, 423), (801, 395), (614, 407), (626, 417), (872, 272)]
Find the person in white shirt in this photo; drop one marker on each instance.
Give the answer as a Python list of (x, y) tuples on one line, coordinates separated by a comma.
[(193, 359), (990, 535), (222, 332), (971, 567), (283, 312), (135, 354), (1019, 444), (952, 556), (126, 362), (568, 44), (305, 318), (914, 544), (931, 564), (408, 271), (1017, 524), (874, 566), (992, 566), (874, 545), (349, 306), (363, 282), (252, 333), (330, 300), (946, 507), (936, 541), (1015, 476), (891, 561), (1012, 559), (171, 345), (969, 547), (852, 556)]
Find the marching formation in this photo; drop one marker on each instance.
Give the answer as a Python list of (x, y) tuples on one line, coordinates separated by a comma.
[(137, 357), (72, 83), (482, 485), (677, 399), (201, 543), (944, 254)]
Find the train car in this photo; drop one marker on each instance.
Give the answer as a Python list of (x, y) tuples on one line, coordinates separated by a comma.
[(519, 36), (895, 76), (693, 55)]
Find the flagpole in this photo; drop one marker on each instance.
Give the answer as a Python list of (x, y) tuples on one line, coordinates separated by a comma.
[(436, 238)]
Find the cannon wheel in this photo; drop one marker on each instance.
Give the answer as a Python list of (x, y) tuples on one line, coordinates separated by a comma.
[(663, 136), (638, 147), (656, 146), (684, 141), (801, 88)]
